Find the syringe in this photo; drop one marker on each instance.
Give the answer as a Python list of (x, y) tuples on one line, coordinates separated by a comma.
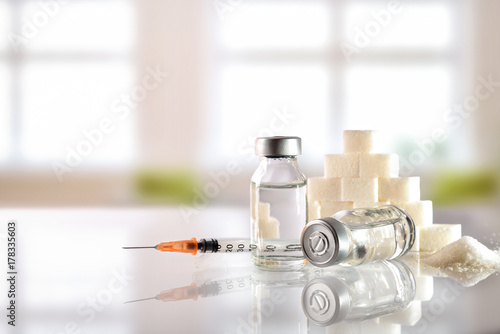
[(187, 292), (203, 246), (212, 245), (209, 289)]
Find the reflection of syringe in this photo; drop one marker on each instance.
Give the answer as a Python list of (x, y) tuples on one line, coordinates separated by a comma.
[(215, 246), (208, 289)]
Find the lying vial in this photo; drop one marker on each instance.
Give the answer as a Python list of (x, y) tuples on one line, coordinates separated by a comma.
[(358, 236), (278, 204), (358, 293)]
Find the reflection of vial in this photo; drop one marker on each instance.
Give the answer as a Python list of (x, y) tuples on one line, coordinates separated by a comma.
[(276, 301), (278, 202), (358, 236), (358, 293)]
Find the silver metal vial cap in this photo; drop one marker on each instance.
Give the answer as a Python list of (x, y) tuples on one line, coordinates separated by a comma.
[(325, 242), (326, 300), (278, 146)]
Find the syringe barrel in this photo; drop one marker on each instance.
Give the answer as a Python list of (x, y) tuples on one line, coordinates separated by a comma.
[(224, 245)]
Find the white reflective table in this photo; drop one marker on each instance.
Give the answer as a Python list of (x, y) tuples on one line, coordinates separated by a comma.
[(72, 276)]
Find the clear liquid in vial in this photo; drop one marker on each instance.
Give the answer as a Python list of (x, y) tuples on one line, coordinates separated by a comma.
[(278, 217), (380, 234)]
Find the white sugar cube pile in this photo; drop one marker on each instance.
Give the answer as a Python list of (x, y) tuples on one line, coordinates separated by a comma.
[(364, 177)]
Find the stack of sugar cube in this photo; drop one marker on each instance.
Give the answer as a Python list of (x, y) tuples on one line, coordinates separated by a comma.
[(364, 177)]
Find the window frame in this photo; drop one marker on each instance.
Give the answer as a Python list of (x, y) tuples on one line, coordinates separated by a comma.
[(335, 63), (15, 61)]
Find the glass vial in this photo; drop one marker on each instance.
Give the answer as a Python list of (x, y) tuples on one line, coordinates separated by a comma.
[(357, 236), (358, 293), (278, 204)]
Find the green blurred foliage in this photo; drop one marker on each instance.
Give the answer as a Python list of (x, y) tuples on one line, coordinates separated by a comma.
[(166, 186), (452, 187)]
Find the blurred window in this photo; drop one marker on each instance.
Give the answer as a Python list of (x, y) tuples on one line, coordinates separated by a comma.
[(332, 64), (62, 66)]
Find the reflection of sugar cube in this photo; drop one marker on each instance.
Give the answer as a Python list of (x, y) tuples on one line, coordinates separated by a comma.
[(323, 189), (370, 326), (361, 141), (376, 328), (329, 208), (378, 165), (360, 190), (408, 317), (419, 211), (436, 236), (342, 165), (399, 189), (425, 287)]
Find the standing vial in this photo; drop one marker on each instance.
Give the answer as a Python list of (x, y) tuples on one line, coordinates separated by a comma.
[(278, 204), (358, 236)]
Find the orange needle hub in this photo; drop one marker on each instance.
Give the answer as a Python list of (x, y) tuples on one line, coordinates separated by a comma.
[(182, 246)]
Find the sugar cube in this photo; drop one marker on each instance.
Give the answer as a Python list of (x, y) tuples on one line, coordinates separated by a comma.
[(385, 245), (368, 204), (408, 317), (361, 141), (436, 236), (419, 211), (426, 270), (313, 210), (263, 211), (342, 165), (269, 228), (321, 189), (425, 287), (359, 190), (329, 208), (399, 189), (255, 203), (412, 260), (378, 165), (416, 243)]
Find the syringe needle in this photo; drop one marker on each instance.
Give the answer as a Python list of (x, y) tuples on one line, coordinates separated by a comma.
[(139, 247), (139, 300)]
